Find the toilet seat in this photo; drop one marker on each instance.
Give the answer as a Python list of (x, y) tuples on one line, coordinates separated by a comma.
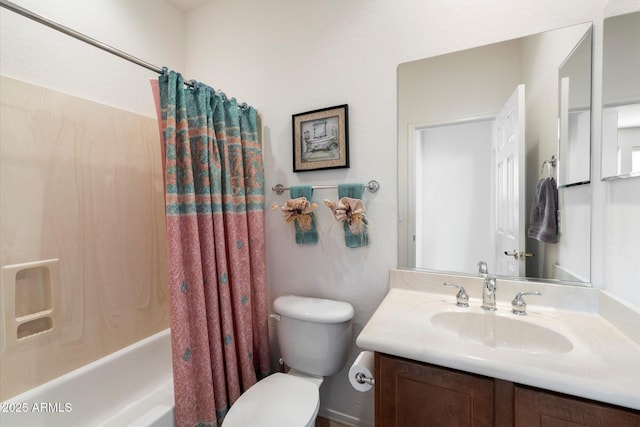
[(276, 401)]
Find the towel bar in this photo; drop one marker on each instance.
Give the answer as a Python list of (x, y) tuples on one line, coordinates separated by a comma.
[(372, 186), (551, 164)]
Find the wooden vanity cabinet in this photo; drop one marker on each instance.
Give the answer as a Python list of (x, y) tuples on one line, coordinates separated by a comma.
[(415, 394), (412, 394), (540, 408)]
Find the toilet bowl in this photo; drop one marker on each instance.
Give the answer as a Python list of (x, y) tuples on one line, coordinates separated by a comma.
[(314, 336)]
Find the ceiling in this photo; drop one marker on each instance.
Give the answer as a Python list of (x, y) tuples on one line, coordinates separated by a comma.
[(187, 5)]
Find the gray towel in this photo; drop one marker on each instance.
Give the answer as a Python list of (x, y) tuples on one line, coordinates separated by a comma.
[(544, 212)]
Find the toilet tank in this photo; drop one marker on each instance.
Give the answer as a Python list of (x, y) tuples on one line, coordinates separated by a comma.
[(314, 334)]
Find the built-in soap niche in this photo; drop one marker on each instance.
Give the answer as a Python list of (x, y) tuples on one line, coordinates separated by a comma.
[(29, 301), (33, 291), (33, 327)]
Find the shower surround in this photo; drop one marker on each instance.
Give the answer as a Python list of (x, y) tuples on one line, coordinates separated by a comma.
[(80, 182)]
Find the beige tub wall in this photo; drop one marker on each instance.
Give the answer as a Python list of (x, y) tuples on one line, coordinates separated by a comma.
[(81, 182)]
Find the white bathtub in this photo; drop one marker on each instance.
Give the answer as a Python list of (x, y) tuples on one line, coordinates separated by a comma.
[(131, 387)]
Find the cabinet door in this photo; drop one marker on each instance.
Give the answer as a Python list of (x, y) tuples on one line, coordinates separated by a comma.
[(412, 394), (534, 408)]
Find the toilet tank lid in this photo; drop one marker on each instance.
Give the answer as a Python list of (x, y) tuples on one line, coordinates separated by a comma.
[(313, 309)]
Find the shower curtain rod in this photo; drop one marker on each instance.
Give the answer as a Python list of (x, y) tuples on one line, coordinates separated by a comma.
[(75, 34)]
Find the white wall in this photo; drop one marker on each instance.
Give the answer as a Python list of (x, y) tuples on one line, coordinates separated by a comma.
[(615, 205), (150, 30)]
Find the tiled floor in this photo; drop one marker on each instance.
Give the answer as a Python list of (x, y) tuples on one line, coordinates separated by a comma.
[(323, 422)]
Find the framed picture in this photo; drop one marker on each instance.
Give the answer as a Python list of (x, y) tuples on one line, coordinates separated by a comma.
[(321, 139)]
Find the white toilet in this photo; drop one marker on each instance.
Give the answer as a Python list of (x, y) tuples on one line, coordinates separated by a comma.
[(314, 336)]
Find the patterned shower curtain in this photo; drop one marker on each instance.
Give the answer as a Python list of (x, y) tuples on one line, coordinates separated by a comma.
[(214, 197)]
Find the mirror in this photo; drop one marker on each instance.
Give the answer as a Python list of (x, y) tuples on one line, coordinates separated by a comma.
[(621, 97), (459, 200), (574, 119)]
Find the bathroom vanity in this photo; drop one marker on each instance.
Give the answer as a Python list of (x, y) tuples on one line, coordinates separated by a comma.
[(566, 362), (410, 393)]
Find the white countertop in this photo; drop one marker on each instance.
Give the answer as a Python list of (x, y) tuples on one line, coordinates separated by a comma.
[(603, 365)]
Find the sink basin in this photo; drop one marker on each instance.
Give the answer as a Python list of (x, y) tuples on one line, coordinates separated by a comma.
[(506, 333)]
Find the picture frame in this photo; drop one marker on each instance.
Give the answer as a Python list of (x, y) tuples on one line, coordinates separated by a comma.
[(321, 139)]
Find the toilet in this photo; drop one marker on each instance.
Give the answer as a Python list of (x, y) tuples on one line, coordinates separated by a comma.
[(314, 335)]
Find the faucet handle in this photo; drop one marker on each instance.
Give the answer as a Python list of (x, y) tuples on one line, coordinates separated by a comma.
[(518, 306), (462, 299)]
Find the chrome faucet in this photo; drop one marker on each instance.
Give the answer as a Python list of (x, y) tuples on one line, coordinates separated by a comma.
[(483, 269), (489, 294)]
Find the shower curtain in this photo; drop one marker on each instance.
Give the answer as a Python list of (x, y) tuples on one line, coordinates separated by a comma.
[(214, 198)]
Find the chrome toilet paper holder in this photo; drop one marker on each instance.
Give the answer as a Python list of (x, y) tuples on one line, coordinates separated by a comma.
[(361, 378)]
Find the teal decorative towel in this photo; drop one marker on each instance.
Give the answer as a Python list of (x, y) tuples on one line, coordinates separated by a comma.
[(305, 234), (351, 238)]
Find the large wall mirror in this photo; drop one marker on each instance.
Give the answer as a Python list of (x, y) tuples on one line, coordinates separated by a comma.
[(621, 96), (480, 152)]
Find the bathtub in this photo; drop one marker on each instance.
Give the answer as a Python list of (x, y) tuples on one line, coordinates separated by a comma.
[(131, 387)]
